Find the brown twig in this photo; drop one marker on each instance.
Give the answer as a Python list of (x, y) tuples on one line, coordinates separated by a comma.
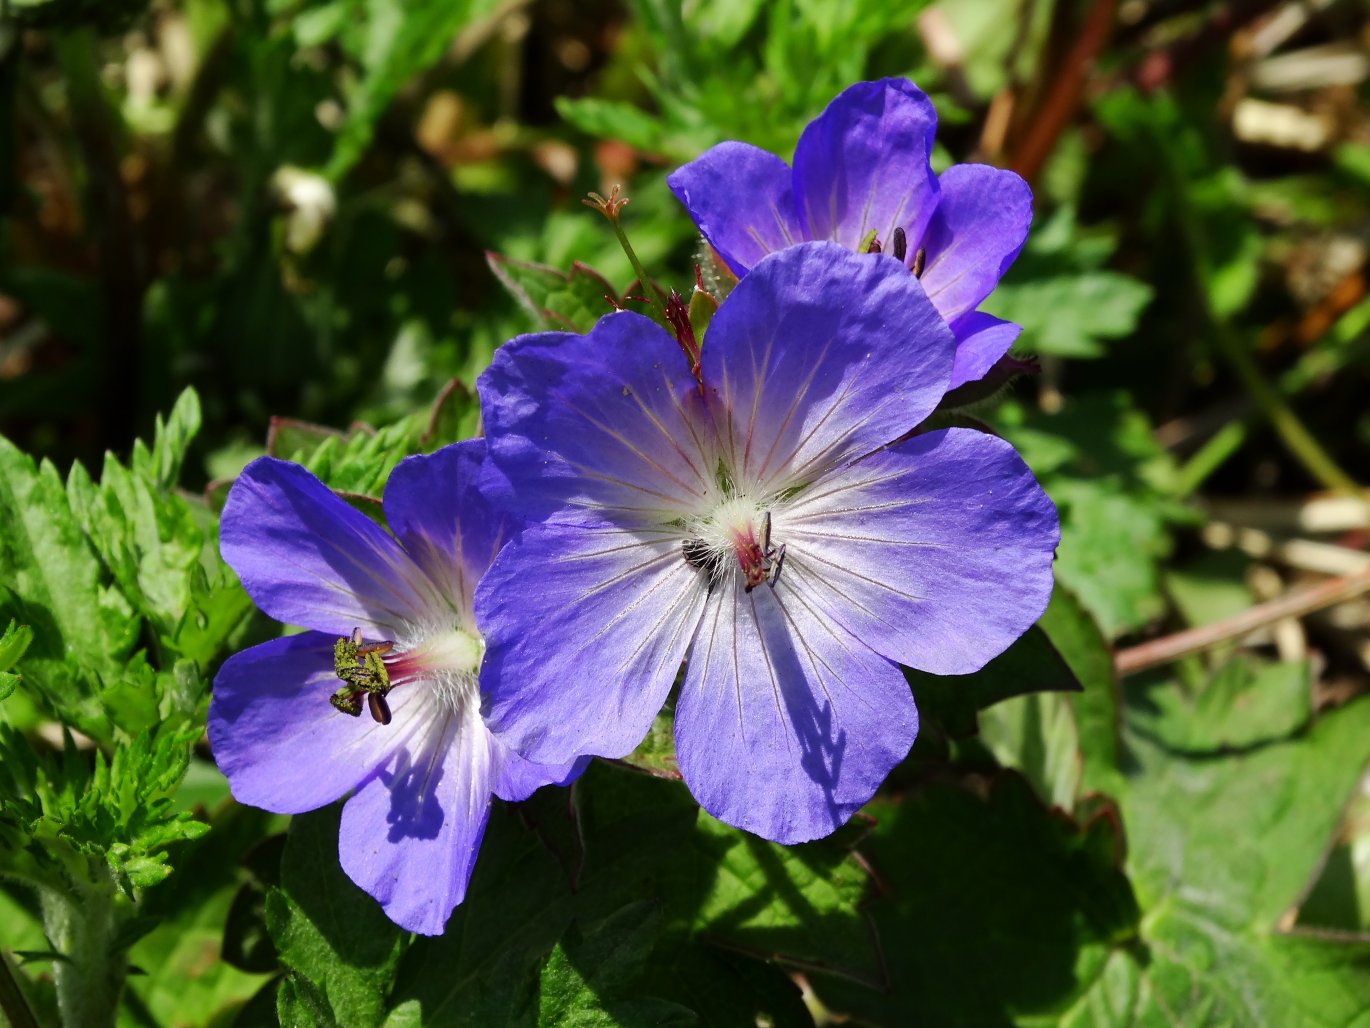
[(1195, 640), (1051, 118)]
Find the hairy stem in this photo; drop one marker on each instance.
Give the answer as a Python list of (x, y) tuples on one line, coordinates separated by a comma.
[(83, 926)]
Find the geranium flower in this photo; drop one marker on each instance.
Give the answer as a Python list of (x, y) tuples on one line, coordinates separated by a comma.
[(381, 697), (765, 523), (861, 176)]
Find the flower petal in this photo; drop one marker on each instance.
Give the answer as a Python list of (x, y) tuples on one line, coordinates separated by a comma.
[(595, 422), (786, 724), (306, 558), (937, 552), (740, 198), (819, 356), (981, 339), (437, 506), (410, 833), (585, 629), (281, 744), (863, 164), (517, 778), (981, 223)]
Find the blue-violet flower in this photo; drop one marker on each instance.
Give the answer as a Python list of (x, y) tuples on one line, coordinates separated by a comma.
[(392, 643), (861, 176), (768, 522)]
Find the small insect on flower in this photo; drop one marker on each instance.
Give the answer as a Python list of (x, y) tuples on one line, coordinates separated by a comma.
[(657, 501), (861, 177), (420, 790)]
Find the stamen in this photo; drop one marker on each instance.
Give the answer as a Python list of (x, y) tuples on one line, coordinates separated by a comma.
[(380, 710), (901, 245), (920, 257), (869, 243)]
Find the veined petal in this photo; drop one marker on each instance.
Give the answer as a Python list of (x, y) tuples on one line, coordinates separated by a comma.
[(585, 629), (306, 558), (410, 833), (863, 164), (275, 736), (936, 552), (740, 198), (516, 778), (595, 423), (981, 339), (819, 356), (981, 223), (786, 723), (438, 509)]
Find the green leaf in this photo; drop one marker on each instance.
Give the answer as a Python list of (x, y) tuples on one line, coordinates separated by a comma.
[(587, 979), (613, 119), (720, 893), (1114, 487), (655, 754), (1030, 665), (1245, 703), (58, 588), (334, 938), (1220, 851), (990, 907), (1036, 735), (1095, 707), (13, 643), (398, 40), (1071, 314), (570, 301)]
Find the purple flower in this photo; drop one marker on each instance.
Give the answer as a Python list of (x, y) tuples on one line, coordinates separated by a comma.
[(861, 173), (767, 524), (392, 643)]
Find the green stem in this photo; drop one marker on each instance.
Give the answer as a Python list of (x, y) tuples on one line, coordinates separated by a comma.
[(13, 1007), (1292, 432), (648, 286), (1296, 437), (1211, 456), (83, 926)]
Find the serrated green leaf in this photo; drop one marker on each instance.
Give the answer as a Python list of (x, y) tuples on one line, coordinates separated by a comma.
[(1220, 850), (1245, 703), (397, 40), (643, 840), (1072, 314), (335, 939), (613, 119), (161, 466), (13, 643), (58, 588), (570, 301), (989, 906), (587, 981)]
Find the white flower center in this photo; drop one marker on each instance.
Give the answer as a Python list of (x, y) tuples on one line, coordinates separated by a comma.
[(734, 534)]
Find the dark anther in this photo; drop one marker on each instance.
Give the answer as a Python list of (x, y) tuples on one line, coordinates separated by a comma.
[(874, 247), (901, 245), (920, 257), (380, 710), (696, 553)]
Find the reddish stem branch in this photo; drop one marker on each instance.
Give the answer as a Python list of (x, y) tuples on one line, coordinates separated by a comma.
[(1051, 119), (1194, 640)]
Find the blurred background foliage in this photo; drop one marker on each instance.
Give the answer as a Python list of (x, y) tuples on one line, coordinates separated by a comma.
[(285, 207)]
